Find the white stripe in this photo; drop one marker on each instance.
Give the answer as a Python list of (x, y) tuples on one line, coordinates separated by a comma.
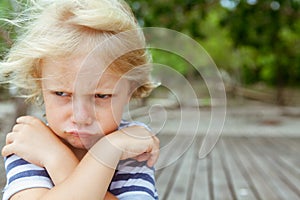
[(125, 124), (26, 183), (132, 182), (133, 170), (22, 168), (133, 194), (11, 159)]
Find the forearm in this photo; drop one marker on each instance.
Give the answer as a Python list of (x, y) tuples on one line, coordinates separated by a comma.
[(61, 166), (67, 165), (91, 177)]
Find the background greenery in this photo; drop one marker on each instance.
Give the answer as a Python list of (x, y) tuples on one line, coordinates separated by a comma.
[(257, 42)]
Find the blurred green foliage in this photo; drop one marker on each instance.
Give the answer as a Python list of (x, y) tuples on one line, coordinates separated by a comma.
[(5, 39), (259, 41)]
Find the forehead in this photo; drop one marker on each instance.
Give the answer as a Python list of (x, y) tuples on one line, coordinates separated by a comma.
[(78, 71), (74, 64)]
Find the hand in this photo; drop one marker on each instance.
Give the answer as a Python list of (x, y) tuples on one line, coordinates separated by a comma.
[(33, 141), (136, 142)]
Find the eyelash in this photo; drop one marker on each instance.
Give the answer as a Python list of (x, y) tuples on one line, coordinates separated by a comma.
[(103, 96), (61, 94), (100, 96)]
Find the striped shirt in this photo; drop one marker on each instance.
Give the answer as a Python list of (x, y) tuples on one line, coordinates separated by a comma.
[(132, 180)]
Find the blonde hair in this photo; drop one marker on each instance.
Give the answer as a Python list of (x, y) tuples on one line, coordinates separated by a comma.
[(55, 28)]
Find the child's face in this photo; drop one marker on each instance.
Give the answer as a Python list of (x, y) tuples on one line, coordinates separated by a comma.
[(82, 104)]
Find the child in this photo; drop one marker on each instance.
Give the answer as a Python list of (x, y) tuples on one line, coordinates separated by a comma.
[(83, 59)]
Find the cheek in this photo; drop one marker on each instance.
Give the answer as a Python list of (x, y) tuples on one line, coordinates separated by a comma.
[(53, 116), (110, 117), (51, 110), (117, 107), (55, 113)]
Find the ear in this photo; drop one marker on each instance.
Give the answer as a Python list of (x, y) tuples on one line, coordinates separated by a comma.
[(132, 89), (129, 96)]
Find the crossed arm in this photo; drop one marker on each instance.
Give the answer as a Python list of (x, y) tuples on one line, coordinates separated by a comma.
[(31, 139)]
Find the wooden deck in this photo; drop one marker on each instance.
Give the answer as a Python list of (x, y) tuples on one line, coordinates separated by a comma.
[(238, 168)]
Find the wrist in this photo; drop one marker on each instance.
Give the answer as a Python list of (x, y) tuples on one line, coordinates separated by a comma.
[(60, 163), (107, 151)]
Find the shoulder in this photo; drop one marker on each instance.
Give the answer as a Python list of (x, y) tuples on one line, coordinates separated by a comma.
[(21, 175), (134, 179)]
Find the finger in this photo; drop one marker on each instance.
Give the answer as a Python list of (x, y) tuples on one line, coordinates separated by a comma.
[(156, 145), (17, 127), (7, 150), (143, 157), (21, 119), (9, 138), (25, 119), (156, 142), (154, 153), (153, 159)]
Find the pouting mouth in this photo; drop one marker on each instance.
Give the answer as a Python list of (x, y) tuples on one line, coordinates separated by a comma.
[(81, 134)]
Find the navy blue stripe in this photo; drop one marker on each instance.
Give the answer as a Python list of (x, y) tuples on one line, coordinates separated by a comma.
[(126, 177), (133, 189), (16, 163), (29, 173), (134, 163)]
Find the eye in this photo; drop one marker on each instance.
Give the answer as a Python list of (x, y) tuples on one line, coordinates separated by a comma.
[(103, 96), (61, 94)]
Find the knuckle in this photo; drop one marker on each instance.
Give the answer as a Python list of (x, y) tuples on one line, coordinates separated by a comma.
[(8, 139), (3, 151), (157, 140), (33, 120), (15, 126)]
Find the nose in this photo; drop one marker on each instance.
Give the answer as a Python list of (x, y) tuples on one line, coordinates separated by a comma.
[(82, 112)]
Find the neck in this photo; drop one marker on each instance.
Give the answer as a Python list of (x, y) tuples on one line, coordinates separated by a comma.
[(79, 153)]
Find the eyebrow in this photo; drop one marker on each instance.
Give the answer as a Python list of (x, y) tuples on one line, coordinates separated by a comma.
[(104, 91)]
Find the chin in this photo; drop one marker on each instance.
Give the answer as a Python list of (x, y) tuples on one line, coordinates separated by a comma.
[(84, 144)]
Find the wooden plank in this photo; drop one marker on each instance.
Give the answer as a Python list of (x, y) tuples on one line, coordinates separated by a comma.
[(286, 146), (242, 186), (180, 186), (200, 183), (164, 175), (172, 147), (167, 177), (268, 171), (292, 146), (287, 182), (227, 172), (289, 159), (220, 182), (238, 168), (163, 181), (259, 179)]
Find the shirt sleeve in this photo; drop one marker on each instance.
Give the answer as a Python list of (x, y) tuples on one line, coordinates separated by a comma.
[(134, 180), (125, 124), (22, 175), (137, 197)]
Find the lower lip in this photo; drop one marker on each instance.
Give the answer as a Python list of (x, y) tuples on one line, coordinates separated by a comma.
[(80, 135)]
